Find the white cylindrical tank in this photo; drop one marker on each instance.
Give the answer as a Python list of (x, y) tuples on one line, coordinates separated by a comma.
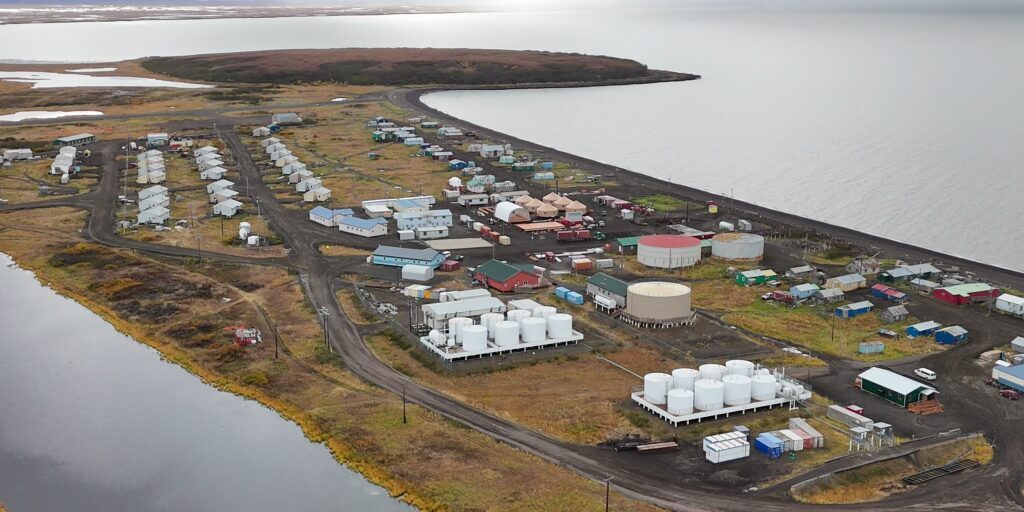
[(737, 246), (737, 389), (244, 228), (656, 387), (680, 401), (559, 326), (544, 311), (668, 251), (712, 371), (474, 338), (517, 315), (739, 367), (683, 378), (506, 333), (488, 320), (533, 329), (658, 301), (708, 395), (762, 387), (455, 326), (437, 337), (762, 371)]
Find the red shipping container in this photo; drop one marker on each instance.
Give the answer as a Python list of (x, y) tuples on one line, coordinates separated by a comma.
[(583, 264), (450, 266)]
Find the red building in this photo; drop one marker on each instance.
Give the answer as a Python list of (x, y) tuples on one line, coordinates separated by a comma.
[(966, 293), (504, 277)]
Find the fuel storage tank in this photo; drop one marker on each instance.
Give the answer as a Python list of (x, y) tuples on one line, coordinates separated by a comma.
[(737, 389), (506, 333), (708, 395), (739, 367), (737, 246), (680, 402), (683, 378), (533, 329), (712, 371), (762, 387), (656, 387)]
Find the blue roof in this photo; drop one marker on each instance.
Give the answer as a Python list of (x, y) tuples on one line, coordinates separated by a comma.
[(362, 223), (1016, 371), (321, 211), (344, 211), (408, 203)]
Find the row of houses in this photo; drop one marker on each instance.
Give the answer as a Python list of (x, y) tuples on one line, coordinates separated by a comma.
[(306, 183), (154, 205), (223, 197), (151, 167), (345, 220)]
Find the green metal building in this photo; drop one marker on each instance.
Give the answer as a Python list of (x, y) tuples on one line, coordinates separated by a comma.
[(896, 388)]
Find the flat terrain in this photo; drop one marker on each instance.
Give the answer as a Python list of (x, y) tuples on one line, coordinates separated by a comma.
[(399, 66)]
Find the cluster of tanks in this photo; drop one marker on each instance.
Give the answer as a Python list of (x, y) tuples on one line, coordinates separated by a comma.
[(518, 326), (713, 386)]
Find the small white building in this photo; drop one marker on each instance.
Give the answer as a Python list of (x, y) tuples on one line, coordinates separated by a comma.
[(308, 184), (210, 163), (275, 147), (289, 159), (279, 154), (431, 218), (155, 190), (155, 215), (213, 173), (154, 201), (269, 142), (431, 232), (491, 150), (377, 211), (419, 273), (227, 208), (205, 150), (286, 118), (725, 447), (293, 168), (318, 195), (224, 194), (17, 154), (218, 185), (363, 227), (1010, 304), (156, 176), (262, 131), (62, 164), (302, 175), (473, 199)]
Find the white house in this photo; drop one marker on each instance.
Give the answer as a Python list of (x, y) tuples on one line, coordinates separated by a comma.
[(328, 217), (210, 164), (205, 150), (432, 218), (298, 176), (363, 227), (281, 162), (213, 173), (307, 185), (218, 185), (318, 195), (262, 131), (224, 194), (429, 232), (269, 142), (279, 154), (492, 150), (277, 146), (227, 208), (292, 168), (154, 201), (156, 176), (155, 190), (155, 215)]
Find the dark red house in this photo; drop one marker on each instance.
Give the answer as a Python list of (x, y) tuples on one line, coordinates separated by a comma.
[(966, 293), (504, 277)]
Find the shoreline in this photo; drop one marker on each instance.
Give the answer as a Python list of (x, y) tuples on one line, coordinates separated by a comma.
[(53, 14), (413, 100)]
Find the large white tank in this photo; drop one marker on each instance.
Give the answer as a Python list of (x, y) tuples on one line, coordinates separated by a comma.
[(739, 367), (656, 387), (488, 320), (762, 387), (683, 378), (658, 301), (668, 251), (708, 395), (517, 315), (506, 333), (712, 371), (737, 389), (559, 326), (474, 338), (680, 401), (455, 326), (737, 246), (437, 337), (533, 329), (244, 229), (544, 311)]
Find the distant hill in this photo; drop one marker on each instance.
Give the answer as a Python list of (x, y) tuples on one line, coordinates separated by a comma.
[(398, 66)]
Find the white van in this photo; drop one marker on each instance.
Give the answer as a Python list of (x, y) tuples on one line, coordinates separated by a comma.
[(925, 374)]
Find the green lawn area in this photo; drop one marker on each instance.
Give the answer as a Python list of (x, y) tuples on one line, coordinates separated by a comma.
[(661, 202)]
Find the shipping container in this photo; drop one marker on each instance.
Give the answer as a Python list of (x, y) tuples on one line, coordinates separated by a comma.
[(574, 298), (504, 240), (583, 264), (550, 256), (604, 263), (768, 445), (561, 291), (450, 266)]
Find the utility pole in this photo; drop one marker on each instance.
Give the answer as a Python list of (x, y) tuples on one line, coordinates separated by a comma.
[(273, 327), (327, 338), (405, 418), (607, 492), (834, 324)]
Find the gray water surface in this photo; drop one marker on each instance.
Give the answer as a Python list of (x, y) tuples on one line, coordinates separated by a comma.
[(91, 420)]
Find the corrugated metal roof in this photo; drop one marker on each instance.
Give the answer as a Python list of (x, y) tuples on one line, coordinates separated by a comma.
[(830, 292), (806, 287), (628, 241), (457, 307), (898, 310), (954, 330), (1016, 371), (850, 278), (388, 251), (858, 305), (497, 270), (363, 223), (892, 380), (925, 326), (607, 282), (323, 212), (964, 290)]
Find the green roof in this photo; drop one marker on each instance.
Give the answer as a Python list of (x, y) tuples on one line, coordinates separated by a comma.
[(497, 270), (967, 289), (607, 282), (628, 241)]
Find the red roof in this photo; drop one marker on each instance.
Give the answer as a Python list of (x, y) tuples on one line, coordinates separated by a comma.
[(669, 241)]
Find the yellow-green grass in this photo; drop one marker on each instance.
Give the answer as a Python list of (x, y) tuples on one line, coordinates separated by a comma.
[(20, 182)]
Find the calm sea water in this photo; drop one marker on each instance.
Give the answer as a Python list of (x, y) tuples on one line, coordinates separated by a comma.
[(903, 123), (90, 420)]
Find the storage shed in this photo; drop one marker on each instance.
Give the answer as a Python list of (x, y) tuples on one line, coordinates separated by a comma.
[(799, 273), (895, 314), (803, 291), (888, 293), (891, 386), (847, 283), (419, 273), (923, 329), (829, 295), (951, 335), (853, 310), (510, 212)]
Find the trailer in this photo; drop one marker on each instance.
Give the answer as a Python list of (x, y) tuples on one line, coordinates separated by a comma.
[(578, 235)]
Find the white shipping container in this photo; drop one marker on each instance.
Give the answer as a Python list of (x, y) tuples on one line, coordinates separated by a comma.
[(417, 272), (724, 451), (406, 234)]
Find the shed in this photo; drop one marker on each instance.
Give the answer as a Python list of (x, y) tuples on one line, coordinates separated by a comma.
[(854, 309), (829, 295), (504, 277), (363, 227), (213, 173), (473, 199), (894, 314), (951, 335), (891, 386), (227, 208), (923, 328), (802, 272), (604, 285), (754, 277), (924, 285), (222, 195), (511, 213), (847, 283), (285, 118), (1018, 344), (628, 243), (888, 293)]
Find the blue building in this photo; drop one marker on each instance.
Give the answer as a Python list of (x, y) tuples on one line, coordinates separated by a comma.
[(401, 256), (951, 335), (923, 328), (457, 165), (803, 291), (769, 445), (853, 310)]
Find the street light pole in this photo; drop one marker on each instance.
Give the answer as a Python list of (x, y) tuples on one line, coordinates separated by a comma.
[(607, 492)]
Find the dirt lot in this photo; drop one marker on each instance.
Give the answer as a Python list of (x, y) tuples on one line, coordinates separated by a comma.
[(31, 181)]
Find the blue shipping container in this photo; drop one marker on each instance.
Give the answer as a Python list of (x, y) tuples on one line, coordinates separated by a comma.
[(574, 298), (547, 165), (768, 445), (561, 291)]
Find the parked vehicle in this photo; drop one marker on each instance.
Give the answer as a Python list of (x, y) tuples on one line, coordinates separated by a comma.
[(1010, 394), (925, 374), (579, 235)]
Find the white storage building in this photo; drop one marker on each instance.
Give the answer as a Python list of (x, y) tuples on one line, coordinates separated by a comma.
[(363, 227), (1010, 304), (213, 173), (218, 186), (155, 190), (725, 447), (154, 201), (419, 273), (17, 154)]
